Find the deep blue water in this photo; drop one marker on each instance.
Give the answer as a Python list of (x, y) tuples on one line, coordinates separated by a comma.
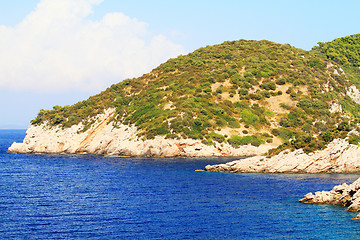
[(95, 197)]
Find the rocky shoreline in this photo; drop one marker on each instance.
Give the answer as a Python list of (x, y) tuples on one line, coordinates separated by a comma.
[(342, 195), (121, 140), (339, 157), (105, 138)]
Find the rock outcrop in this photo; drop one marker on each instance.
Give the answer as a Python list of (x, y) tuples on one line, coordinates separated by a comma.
[(338, 157), (343, 195), (354, 93), (120, 140)]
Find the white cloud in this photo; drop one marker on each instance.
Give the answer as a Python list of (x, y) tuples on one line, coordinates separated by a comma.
[(56, 48)]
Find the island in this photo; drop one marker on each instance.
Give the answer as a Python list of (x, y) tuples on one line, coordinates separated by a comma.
[(296, 110)]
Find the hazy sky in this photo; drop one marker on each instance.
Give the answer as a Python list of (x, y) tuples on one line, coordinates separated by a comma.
[(58, 52)]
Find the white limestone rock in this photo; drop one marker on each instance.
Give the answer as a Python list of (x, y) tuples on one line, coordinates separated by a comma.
[(338, 157), (122, 140), (354, 93), (343, 195)]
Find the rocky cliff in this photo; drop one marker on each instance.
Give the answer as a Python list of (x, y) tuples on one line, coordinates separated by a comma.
[(343, 195), (338, 157), (120, 140)]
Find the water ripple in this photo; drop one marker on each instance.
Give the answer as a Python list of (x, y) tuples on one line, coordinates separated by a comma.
[(94, 197)]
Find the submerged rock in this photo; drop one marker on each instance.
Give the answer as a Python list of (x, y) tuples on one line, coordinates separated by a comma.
[(342, 195)]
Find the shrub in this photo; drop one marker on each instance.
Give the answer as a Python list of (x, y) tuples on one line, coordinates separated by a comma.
[(207, 90), (312, 105), (321, 126), (255, 142), (198, 122), (293, 95), (236, 141), (268, 86), (249, 117), (354, 139), (268, 113), (256, 96), (306, 127), (284, 106), (247, 85), (344, 126), (267, 135), (58, 119), (208, 142), (217, 137), (281, 81), (243, 91), (326, 136), (283, 133), (265, 93), (284, 122), (233, 124)]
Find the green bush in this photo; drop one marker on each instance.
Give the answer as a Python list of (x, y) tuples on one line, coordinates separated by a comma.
[(326, 136), (237, 141), (249, 117), (234, 124), (284, 122), (268, 86), (256, 96), (344, 126), (217, 137), (284, 106), (283, 133), (256, 142), (306, 127), (354, 139), (207, 90), (265, 93), (281, 81), (243, 91)]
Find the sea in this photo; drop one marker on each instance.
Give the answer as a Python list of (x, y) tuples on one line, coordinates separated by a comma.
[(98, 197)]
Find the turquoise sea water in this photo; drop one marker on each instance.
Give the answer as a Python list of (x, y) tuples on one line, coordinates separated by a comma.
[(95, 197)]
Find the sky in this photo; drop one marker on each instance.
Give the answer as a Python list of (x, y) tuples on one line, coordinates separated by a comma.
[(59, 52)]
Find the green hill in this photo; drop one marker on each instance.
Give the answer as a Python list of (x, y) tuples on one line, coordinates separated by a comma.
[(242, 92), (346, 52)]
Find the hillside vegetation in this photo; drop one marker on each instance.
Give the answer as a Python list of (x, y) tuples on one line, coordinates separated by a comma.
[(346, 52), (241, 92)]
